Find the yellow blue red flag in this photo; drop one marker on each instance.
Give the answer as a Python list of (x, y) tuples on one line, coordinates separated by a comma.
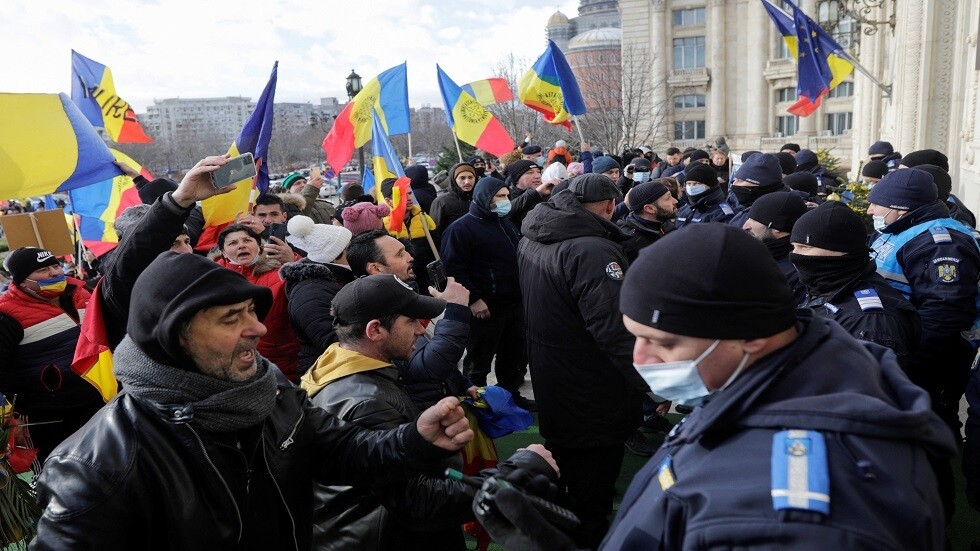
[(93, 90), (98, 205), (549, 87), (387, 165), (221, 210), (47, 145), (471, 121)]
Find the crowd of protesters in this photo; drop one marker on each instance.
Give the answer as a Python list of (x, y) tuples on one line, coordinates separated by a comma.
[(299, 384)]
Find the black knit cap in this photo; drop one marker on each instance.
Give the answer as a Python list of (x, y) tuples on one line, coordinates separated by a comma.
[(517, 169), (881, 148), (646, 193), (23, 261), (905, 189), (699, 154), (794, 147), (944, 184), (832, 226), (926, 157), (733, 288), (787, 162), (702, 174), (802, 181), (874, 169), (175, 287), (745, 156), (778, 211), (762, 169), (531, 150)]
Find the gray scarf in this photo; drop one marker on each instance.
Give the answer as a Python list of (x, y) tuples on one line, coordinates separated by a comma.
[(218, 405)]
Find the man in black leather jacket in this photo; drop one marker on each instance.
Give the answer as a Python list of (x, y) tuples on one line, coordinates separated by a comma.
[(378, 321), (205, 448)]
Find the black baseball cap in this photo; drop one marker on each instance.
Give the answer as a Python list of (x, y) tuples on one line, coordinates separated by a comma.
[(380, 295)]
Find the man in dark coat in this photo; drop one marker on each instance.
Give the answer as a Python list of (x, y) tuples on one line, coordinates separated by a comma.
[(651, 208), (203, 448), (480, 251), (588, 394), (771, 220), (450, 205), (425, 194)]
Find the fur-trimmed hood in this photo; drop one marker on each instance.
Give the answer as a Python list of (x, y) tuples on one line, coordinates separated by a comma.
[(294, 202)]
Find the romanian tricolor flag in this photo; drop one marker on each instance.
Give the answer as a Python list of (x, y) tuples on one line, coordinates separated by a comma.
[(388, 96), (387, 165), (97, 206), (490, 91), (550, 88), (822, 62), (47, 145), (93, 359), (95, 94), (221, 210), (470, 121)]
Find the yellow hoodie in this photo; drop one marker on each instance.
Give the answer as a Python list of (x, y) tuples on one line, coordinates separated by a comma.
[(336, 363)]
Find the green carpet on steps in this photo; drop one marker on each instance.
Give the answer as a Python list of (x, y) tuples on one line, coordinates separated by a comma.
[(962, 531)]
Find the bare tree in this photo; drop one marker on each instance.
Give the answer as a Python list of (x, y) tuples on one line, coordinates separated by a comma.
[(643, 116), (518, 119)]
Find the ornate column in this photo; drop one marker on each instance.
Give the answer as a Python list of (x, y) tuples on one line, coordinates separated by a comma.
[(716, 64), (755, 87)]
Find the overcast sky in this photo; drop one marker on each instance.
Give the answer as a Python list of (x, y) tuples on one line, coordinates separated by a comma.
[(207, 48)]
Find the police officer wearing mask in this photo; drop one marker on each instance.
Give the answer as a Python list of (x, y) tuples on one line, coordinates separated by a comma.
[(933, 260), (637, 172), (830, 252), (759, 174), (780, 391), (771, 220), (706, 198)]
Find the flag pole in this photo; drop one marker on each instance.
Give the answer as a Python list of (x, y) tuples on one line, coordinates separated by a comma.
[(410, 145), (886, 88), (579, 128), (458, 150)]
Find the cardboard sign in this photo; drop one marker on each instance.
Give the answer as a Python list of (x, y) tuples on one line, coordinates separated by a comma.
[(45, 229)]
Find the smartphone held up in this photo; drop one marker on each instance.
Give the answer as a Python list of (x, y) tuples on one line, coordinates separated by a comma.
[(235, 170)]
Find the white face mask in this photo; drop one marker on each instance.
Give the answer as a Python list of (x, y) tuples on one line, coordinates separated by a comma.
[(695, 189), (879, 221), (680, 381)]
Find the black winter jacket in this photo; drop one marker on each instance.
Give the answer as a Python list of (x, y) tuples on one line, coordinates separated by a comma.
[(424, 512), (710, 206), (894, 324), (310, 288), (581, 356), (138, 475), (480, 251), (432, 373), (642, 233)]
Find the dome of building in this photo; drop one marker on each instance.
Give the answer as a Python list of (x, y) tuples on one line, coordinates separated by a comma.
[(605, 37), (558, 18)]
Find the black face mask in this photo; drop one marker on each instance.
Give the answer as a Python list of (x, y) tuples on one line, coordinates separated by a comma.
[(747, 195), (480, 173), (823, 274)]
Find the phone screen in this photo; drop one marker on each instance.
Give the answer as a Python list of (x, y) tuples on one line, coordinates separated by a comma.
[(235, 170), (315, 172)]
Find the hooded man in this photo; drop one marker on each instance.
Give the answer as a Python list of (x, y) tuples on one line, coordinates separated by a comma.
[(480, 251), (205, 437), (771, 220), (588, 395), (424, 193)]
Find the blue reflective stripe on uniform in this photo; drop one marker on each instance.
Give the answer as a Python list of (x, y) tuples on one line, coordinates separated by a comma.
[(868, 299), (800, 477), (726, 208), (831, 307)]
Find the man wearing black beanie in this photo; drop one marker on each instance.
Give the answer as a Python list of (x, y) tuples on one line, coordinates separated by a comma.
[(526, 189), (771, 220), (830, 251), (651, 207), (933, 260), (706, 198), (804, 184), (759, 175), (204, 427), (779, 389), (944, 188)]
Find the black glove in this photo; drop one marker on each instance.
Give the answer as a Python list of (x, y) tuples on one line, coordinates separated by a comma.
[(515, 523)]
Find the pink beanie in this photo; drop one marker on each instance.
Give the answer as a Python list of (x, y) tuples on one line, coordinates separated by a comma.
[(364, 217), (574, 169)]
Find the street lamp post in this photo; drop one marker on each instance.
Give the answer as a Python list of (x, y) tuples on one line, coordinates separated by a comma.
[(353, 87)]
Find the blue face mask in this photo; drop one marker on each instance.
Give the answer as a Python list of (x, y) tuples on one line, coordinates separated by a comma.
[(501, 208), (681, 381), (640, 177)]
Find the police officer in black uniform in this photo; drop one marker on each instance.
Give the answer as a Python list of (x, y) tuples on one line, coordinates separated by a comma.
[(706, 198), (771, 220), (830, 252)]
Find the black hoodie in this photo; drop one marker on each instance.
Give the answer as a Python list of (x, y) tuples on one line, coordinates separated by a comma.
[(454, 203)]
